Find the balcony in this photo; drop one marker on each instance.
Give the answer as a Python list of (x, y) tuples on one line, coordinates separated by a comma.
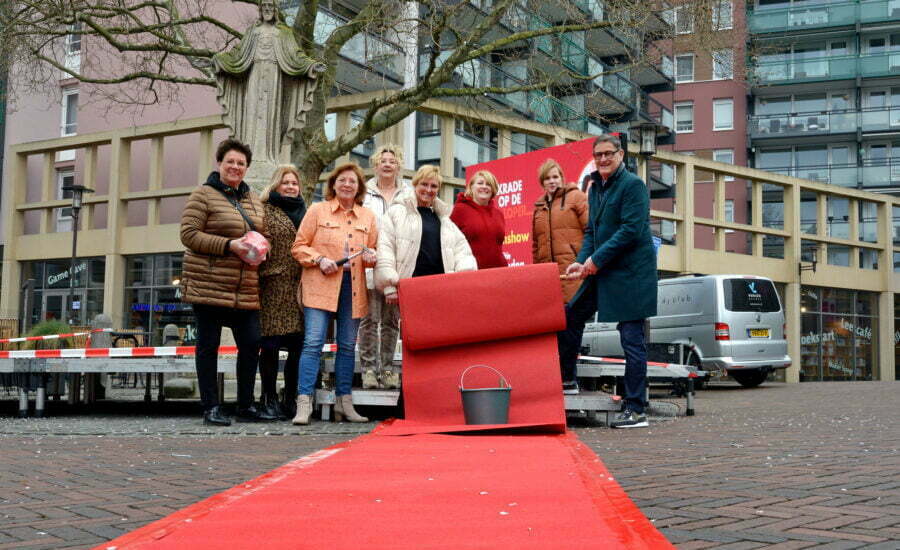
[(881, 173), (657, 74), (845, 175), (791, 71), (563, 55), (803, 17), (880, 64), (875, 11), (654, 111), (802, 124), (882, 119), (478, 73), (366, 54), (547, 109)]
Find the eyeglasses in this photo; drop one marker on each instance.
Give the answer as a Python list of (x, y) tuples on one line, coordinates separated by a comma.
[(605, 154)]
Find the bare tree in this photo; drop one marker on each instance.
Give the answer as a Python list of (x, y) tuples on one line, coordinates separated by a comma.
[(159, 48)]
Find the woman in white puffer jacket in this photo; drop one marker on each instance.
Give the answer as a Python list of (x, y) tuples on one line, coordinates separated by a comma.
[(417, 237)]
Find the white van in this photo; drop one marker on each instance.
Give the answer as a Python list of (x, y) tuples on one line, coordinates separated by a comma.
[(730, 323)]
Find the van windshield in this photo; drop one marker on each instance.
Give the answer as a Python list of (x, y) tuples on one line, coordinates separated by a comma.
[(750, 295)]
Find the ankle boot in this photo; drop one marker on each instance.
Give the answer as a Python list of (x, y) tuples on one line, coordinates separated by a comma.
[(304, 409), (343, 408), (272, 407), (390, 380)]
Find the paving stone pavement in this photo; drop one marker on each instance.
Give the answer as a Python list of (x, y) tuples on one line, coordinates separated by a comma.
[(779, 466)]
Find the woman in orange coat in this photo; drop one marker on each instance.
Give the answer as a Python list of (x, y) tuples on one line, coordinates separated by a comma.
[(335, 243), (557, 226)]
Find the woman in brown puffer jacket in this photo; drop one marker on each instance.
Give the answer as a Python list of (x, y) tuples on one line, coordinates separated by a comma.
[(557, 226), (223, 289)]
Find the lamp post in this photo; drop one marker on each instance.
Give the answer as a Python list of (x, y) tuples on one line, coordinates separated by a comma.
[(78, 192), (646, 134)]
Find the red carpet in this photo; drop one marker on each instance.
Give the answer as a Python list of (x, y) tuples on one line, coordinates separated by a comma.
[(503, 318), (427, 491)]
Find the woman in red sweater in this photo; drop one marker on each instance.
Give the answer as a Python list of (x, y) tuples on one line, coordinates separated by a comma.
[(481, 221)]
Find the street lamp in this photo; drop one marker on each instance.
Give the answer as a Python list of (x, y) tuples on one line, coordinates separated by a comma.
[(78, 192), (646, 134)]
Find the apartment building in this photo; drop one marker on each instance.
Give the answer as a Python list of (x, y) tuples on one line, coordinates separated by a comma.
[(709, 106)]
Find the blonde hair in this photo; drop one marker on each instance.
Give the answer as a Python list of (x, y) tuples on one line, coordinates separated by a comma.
[(387, 148), (277, 176), (340, 169), (544, 171), (489, 179), (427, 171)]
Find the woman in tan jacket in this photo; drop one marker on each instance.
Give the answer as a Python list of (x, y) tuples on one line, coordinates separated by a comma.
[(334, 245), (558, 223), (279, 285), (223, 288), (417, 237)]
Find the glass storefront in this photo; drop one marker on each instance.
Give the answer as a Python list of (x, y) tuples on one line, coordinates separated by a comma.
[(839, 334), (57, 296), (153, 299)]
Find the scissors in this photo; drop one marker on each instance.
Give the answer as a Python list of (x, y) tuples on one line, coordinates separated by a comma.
[(342, 261)]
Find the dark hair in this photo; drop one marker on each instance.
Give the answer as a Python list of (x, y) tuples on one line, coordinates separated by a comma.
[(232, 144), (340, 169), (607, 138)]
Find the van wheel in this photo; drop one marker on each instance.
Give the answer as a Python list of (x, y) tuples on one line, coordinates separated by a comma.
[(750, 379)]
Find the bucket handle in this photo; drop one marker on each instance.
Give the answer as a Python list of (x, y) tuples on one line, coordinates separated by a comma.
[(503, 382)]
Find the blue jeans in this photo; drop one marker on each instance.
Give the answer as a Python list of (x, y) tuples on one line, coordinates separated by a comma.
[(316, 322), (631, 335)]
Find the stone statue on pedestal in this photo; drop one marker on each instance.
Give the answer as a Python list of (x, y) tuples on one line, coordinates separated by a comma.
[(265, 87)]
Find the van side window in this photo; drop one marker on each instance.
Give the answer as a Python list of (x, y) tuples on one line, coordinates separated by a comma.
[(757, 295)]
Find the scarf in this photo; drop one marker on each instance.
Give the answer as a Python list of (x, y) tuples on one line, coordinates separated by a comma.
[(293, 207)]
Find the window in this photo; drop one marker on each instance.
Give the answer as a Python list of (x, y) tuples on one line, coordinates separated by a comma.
[(721, 15), (684, 117), (724, 155), (723, 114), (729, 213), (69, 111), (723, 65), (73, 49), (684, 20), (684, 67), (64, 178)]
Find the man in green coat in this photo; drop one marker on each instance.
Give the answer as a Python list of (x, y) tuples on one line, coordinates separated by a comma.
[(618, 264)]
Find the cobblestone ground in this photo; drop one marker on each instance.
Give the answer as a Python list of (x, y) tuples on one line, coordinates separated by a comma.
[(780, 466)]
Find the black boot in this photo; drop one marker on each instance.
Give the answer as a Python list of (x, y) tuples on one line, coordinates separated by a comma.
[(289, 406), (216, 417), (252, 414), (272, 407)]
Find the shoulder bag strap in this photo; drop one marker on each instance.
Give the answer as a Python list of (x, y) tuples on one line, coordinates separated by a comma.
[(240, 209)]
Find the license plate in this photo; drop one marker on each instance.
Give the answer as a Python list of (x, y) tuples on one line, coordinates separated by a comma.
[(758, 332)]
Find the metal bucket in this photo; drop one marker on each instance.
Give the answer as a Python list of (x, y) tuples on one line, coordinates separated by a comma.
[(485, 405)]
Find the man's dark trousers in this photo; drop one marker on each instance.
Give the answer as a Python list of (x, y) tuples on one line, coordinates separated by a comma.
[(631, 336)]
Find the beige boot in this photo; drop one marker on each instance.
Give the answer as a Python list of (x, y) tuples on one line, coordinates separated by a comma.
[(343, 408), (304, 409), (369, 380), (391, 380)]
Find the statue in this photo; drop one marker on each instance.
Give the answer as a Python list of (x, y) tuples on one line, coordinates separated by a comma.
[(265, 87)]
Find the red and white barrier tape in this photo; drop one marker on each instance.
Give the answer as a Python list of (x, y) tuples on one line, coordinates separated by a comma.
[(590, 359), (84, 353), (51, 336)]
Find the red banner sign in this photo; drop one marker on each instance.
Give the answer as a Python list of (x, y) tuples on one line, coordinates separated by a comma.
[(520, 189)]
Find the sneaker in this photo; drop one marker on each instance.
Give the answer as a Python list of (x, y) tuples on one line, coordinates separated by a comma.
[(629, 419), (570, 388), (369, 380)]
